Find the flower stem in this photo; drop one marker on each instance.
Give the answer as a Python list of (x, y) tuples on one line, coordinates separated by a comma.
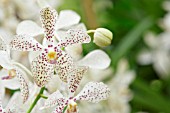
[(64, 109), (90, 31), (36, 100), (43, 96)]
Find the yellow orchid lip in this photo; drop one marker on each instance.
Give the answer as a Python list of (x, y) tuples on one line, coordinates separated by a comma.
[(72, 107), (52, 57), (12, 73)]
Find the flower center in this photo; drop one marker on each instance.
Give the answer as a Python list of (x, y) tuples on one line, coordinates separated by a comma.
[(72, 107), (11, 74), (52, 57)]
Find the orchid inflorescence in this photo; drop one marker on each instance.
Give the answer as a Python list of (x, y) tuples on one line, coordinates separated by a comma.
[(53, 58)]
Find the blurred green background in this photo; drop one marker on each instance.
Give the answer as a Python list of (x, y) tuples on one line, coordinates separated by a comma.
[(129, 20)]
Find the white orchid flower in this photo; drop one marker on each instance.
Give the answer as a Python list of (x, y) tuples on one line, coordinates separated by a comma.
[(121, 94), (52, 55), (96, 59), (118, 101), (13, 71), (92, 92), (157, 54), (67, 19)]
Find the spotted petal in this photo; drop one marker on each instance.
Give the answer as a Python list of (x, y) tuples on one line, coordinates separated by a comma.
[(59, 109), (25, 43), (74, 79), (29, 27), (97, 59), (42, 71), (2, 92), (3, 45), (54, 99), (1, 108), (64, 65), (75, 36), (94, 92), (23, 84), (48, 20)]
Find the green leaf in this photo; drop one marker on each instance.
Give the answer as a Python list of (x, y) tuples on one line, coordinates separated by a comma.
[(130, 40)]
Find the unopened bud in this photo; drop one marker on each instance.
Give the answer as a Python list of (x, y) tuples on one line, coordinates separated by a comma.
[(102, 37)]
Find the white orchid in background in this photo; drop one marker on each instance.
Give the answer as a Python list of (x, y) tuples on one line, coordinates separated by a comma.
[(118, 102), (52, 55), (120, 95), (13, 71), (92, 92), (157, 53), (13, 11)]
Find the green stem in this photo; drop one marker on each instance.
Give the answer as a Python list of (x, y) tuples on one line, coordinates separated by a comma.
[(43, 96), (90, 31), (64, 109), (36, 100)]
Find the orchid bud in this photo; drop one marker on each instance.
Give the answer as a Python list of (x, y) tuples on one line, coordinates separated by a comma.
[(102, 37)]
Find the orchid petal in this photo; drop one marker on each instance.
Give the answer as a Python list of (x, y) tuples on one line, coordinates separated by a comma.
[(14, 104), (2, 90), (74, 79), (5, 61), (145, 57), (64, 21), (3, 45), (94, 92), (46, 44), (54, 84), (54, 99), (5, 35), (48, 20), (97, 59), (25, 43), (1, 108), (29, 27), (64, 65), (61, 33), (75, 51), (23, 84), (32, 55), (11, 84), (1, 96), (75, 36), (59, 109), (42, 71)]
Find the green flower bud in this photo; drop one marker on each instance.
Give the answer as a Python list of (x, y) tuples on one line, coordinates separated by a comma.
[(102, 37)]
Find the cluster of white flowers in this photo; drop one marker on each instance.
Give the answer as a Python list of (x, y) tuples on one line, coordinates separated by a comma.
[(157, 52), (56, 66), (51, 59)]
